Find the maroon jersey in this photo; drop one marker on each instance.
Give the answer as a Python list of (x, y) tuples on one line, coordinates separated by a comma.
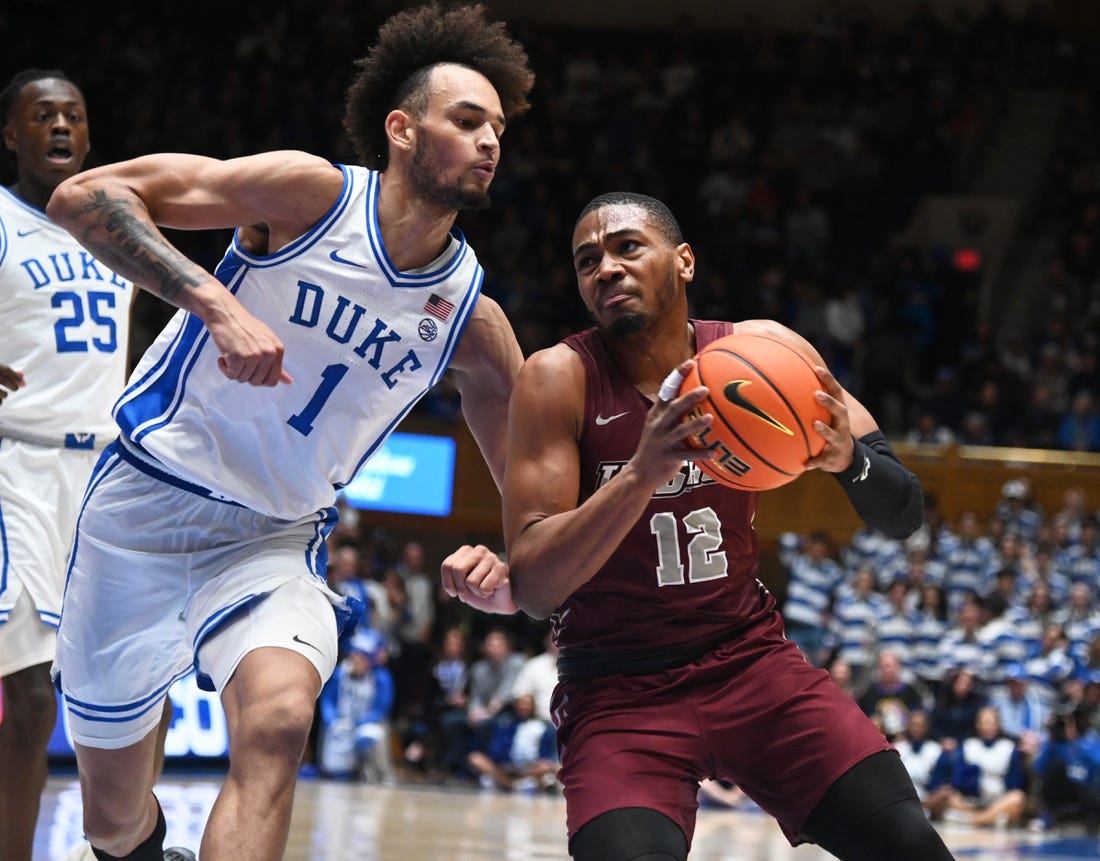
[(685, 574)]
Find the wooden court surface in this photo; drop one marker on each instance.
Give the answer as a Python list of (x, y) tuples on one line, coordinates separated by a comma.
[(355, 822)]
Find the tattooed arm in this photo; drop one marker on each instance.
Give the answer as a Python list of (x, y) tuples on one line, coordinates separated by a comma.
[(115, 210)]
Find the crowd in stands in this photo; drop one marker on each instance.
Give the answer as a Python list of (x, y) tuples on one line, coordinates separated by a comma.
[(975, 645), (793, 160), (428, 689)]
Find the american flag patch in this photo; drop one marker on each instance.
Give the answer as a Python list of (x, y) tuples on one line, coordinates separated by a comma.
[(439, 307)]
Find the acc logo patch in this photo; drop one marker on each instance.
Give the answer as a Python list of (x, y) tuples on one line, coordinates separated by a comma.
[(428, 329)]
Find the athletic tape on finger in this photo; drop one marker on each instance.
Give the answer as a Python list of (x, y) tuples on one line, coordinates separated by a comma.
[(671, 386)]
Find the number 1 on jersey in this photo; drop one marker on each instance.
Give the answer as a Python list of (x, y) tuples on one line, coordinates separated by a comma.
[(330, 377)]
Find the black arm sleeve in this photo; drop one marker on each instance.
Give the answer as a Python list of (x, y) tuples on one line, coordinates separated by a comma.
[(883, 492)]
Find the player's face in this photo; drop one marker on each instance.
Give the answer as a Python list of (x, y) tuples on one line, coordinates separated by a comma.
[(628, 273), (48, 131), (457, 145)]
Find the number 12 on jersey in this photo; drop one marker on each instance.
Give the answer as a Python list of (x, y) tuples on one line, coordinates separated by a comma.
[(705, 560)]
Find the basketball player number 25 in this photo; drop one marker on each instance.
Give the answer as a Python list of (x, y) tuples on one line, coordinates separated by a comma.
[(330, 377), (99, 306), (705, 560)]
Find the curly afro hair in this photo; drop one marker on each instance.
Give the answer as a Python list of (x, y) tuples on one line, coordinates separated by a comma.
[(396, 70)]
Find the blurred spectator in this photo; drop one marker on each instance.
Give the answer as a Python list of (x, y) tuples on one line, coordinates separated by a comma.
[(967, 557), (1068, 770), (1079, 429), (1005, 644), (897, 626), (1050, 664), (936, 531), (1052, 376), (1079, 619), (867, 546), (813, 578), (345, 576), (488, 692), (975, 429), (1073, 513), (1022, 712), (1017, 512), (520, 752), (928, 431), (1087, 658), (845, 323), (889, 698), (1086, 376), (1041, 571), (356, 704), (1002, 591), (983, 778), (932, 624), (852, 632), (413, 667), (919, 752), (1039, 423), (1080, 561), (424, 744), (964, 644), (916, 567), (538, 676), (1031, 618), (956, 708), (841, 674)]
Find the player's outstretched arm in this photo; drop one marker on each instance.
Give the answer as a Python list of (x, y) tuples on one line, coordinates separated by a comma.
[(115, 210), (554, 546)]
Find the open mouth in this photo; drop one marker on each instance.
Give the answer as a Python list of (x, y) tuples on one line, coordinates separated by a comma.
[(59, 154)]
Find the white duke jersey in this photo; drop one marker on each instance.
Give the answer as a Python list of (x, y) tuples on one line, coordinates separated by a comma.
[(363, 343), (66, 327)]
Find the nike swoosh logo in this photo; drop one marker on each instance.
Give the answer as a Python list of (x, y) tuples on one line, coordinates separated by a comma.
[(298, 639), (336, 258), (734, 395), (600, 420), (27, 232)]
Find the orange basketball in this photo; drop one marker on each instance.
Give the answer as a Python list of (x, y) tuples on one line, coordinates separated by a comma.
[(762, 399)]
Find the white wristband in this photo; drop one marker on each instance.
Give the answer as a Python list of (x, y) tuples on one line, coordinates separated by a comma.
[(671, 386)]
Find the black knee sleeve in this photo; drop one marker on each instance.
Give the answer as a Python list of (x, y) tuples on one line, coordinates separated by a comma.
[(872, 812), (629, 834), (151, 849)]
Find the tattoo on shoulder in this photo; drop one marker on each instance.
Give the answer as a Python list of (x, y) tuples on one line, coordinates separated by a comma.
[(137, 250)]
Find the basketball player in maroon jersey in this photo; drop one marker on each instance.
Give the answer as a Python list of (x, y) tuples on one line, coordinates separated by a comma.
[(673, 665)]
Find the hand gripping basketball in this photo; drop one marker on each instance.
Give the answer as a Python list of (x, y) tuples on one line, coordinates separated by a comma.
[(762, 399)]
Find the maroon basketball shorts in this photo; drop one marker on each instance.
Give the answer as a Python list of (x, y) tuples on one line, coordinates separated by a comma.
[(752, 712)]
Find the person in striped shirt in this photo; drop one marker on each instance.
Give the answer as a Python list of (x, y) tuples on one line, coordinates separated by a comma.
[(814, 577)]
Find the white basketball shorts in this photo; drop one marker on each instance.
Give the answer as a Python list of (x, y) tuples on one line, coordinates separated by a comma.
[(40, 492), (156, 570)]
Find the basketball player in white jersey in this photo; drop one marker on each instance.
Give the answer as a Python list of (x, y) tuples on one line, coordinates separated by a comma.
[(65, 322), (345, 295)]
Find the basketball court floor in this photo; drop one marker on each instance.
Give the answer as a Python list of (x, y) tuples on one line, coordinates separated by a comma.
[(357, 822)]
